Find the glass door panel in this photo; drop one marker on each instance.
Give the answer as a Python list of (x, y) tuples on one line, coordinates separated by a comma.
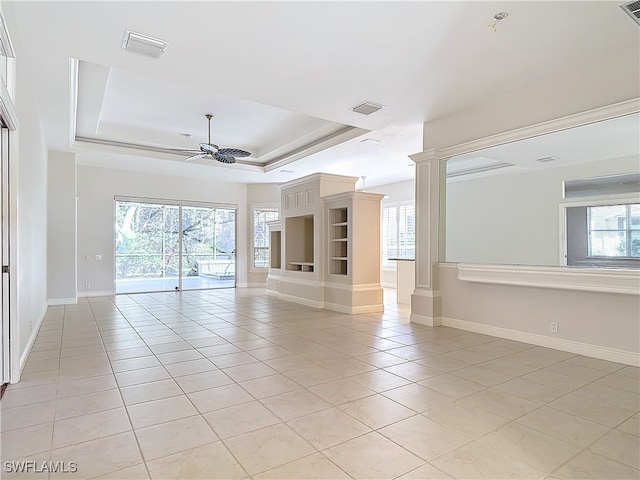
[(208, 252), (146, 247)]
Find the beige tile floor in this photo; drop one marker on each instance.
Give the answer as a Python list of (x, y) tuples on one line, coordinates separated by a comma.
[(236, 384)]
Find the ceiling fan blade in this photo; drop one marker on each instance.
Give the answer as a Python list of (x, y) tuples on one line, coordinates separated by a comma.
[(234, 152), (224, 158), (196, 157), (209, 148)]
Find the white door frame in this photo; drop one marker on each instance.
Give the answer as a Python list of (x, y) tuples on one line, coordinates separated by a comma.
[(9, 361)]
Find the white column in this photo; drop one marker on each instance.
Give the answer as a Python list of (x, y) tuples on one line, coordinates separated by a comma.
[(430, 199)]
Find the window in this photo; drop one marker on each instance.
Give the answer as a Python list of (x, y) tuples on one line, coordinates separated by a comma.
[(614, 231), (262, 215), (398, 233), (603, 235)]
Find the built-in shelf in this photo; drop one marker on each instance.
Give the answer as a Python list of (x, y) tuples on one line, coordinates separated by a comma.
[(339, 236), (275, 249), (299, 243), (301, 266)]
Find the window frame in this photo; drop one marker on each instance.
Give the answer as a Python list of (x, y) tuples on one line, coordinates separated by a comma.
[(384, 262), (252, 239), (595, 261)]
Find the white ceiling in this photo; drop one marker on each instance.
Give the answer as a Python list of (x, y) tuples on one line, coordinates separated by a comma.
[(280, 77)]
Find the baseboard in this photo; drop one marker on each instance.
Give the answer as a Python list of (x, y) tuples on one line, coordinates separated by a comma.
[(254, 285), (424, 320), (354, 310), (97, 293), (63, 301), (15, 376), (301, 301), (603, 353)]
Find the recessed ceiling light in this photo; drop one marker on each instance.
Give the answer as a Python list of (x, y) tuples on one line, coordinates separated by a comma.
[(286, 171), (370, 140), (367, 108), (144, 44), (186, 135)]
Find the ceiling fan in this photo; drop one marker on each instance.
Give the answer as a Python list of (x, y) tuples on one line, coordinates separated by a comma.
[(222, 155)]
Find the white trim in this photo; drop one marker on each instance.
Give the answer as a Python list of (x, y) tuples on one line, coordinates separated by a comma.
[(425, 320), (5, 39), (17, 370), (242, 285), (74, 64), (351, 181), (571, 121), (172, 202), (426, 292), (63, 301), (362, 287), (604, 353), (253, 285), (299, 300), (626, 282), (97, 293), (7, 109), (336, 307)]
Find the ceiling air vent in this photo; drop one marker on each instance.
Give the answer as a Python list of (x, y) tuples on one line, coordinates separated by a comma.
[(547, 159), (143, 44), (367, 108), (633, 10)]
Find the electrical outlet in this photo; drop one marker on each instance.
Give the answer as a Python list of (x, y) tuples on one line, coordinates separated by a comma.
[(554, 327), (87, 286)]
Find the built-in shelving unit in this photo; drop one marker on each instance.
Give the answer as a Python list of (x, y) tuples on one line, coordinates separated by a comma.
[(330, 238), (339, 241), (275, 249), (299, 244)]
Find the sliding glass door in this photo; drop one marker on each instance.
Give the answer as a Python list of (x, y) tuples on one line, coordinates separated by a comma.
[(208, 247), (163, 247)]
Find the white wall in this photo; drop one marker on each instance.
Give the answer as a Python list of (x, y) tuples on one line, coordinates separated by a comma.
[(514, 218), (61, 237), (599, 324), (398, 192), (32, 216), (597, 85), (96, 190)]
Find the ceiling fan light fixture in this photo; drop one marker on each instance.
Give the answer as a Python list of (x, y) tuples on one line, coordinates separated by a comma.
[(144, 44), (367, 108)]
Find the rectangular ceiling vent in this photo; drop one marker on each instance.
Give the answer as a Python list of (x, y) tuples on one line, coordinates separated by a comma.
[(633, 10), (143, 44), (547, 159), (367, 108)]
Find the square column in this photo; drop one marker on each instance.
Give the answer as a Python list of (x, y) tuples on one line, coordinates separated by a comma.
[(430, 245)]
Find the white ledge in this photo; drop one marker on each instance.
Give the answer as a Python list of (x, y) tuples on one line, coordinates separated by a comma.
[(621, 281)]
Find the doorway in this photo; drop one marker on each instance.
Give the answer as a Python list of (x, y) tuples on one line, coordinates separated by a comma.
[(173, 246)]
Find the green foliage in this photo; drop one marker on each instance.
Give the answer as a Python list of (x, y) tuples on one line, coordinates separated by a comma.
[(148, 238)]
